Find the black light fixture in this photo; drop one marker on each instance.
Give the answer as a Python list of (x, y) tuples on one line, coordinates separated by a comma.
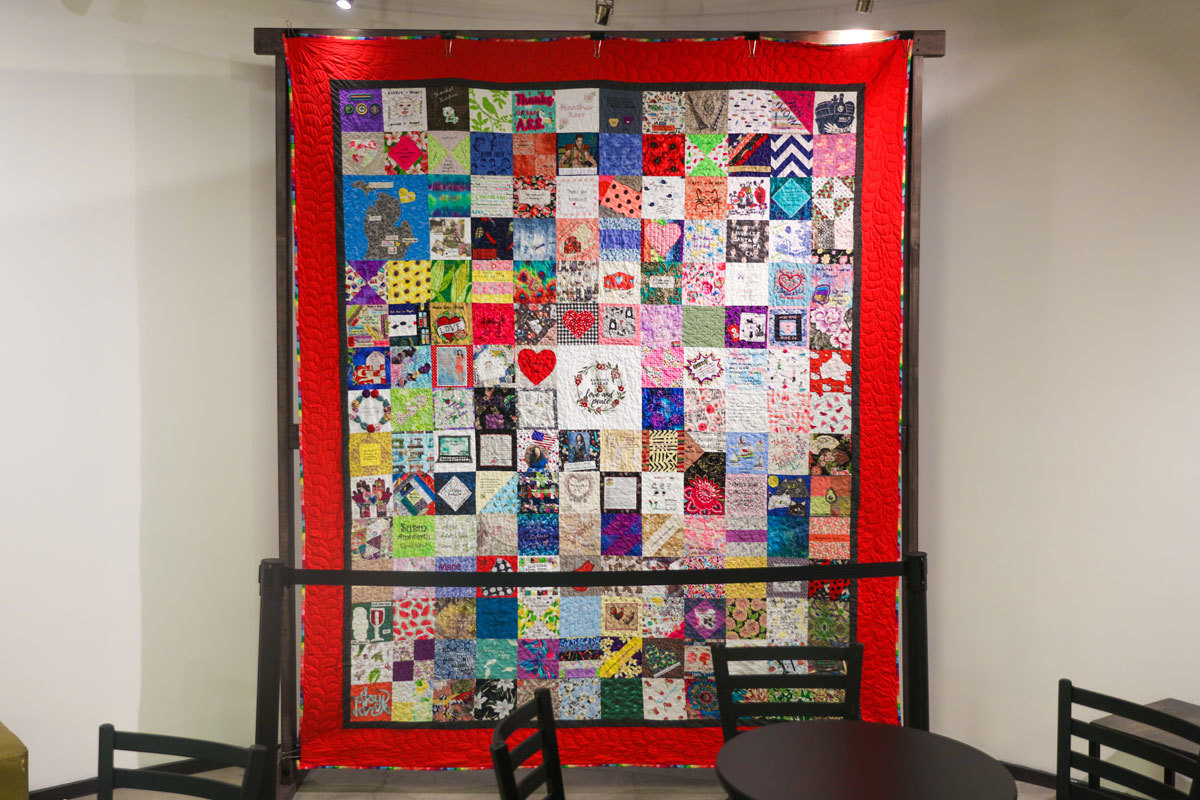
[(603, 11), (865, 6)]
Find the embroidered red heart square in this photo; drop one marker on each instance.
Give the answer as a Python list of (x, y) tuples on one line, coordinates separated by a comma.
[(536, 365), (578, 322)]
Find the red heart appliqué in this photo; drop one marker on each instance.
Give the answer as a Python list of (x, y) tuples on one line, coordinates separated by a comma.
[(578, 322), (536, 364), (451, 327), (790, 282)]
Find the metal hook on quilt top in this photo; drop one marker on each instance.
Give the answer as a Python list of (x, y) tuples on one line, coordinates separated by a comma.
[(752, 44), (597, 41), (448, 38)]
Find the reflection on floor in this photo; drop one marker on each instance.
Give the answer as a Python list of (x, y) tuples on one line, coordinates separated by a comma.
[(589, 783)]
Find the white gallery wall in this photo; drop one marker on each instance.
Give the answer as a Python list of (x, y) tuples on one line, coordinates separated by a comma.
[(1058, 357)]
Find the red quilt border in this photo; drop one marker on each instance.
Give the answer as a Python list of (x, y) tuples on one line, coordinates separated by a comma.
[(312, 62)]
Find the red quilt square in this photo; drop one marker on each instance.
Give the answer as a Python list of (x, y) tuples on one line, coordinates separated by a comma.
[(662, 154), (493, 323), (535, 154)]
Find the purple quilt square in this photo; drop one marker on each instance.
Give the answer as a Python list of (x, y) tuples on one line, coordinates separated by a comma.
[(704, 618), (662, 409), (537, 658), (361, 109), (662, 325), (621, 535), (423, 649), (746, 326)]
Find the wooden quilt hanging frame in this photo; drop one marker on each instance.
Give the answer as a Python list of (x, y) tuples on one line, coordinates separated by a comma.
[(283, 628)]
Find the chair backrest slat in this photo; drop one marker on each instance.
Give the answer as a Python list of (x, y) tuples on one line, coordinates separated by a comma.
[(1170, 759), (174, 783), (1138, 713), (224, 754), (529, 783), (788, 652), (519, 718), (790, 708), (734, 708), (252, 759), (1144, 749), (521, 753), (1125, 777), (505, 761), (809, 681)]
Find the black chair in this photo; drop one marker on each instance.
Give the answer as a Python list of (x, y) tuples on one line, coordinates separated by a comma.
[(252, 759), (730, 688), (540, 712), (1182, 760)]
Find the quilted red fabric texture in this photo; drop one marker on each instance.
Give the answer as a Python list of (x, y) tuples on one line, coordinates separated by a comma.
[(880, 70)]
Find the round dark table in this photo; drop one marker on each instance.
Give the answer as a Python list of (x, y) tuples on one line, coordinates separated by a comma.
[(843, 760)]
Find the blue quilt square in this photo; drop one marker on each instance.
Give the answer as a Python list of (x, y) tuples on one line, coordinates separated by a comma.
[(496, 618), (492, 238), (787, 537), (491, 153), (454, 658), (579, 617), (534, 240), (537, 534), (745, 453), (662, 409), (620, 239), (386, 217), (791, 198), (620, 154), (455, 564)]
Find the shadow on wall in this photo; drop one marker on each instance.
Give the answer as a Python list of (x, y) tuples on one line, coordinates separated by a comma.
[(204, 243)]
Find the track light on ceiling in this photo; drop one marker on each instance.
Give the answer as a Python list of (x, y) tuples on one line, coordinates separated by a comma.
[(345, 5), (603, 11), (865, 6)]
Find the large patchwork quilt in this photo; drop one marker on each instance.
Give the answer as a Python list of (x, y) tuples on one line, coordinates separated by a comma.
[(566, 312)]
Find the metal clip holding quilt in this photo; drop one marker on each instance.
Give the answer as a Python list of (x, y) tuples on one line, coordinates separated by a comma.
[(597, 42), (448, 38), (752, 44)]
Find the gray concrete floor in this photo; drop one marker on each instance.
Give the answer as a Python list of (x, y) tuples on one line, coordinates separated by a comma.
[(584, 783)]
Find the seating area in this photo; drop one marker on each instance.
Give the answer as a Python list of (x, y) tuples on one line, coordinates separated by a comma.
[(587, 399), (1134, 750)]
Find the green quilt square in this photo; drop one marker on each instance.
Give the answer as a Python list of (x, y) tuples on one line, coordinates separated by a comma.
[(413, 537), (412, 410), (621, 698), (703, 326), (496, 658), (450, 281)]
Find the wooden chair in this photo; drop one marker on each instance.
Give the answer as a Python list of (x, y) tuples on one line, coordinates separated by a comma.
[(252, 759), (540, 712), (734, 708), (1182, 760)]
